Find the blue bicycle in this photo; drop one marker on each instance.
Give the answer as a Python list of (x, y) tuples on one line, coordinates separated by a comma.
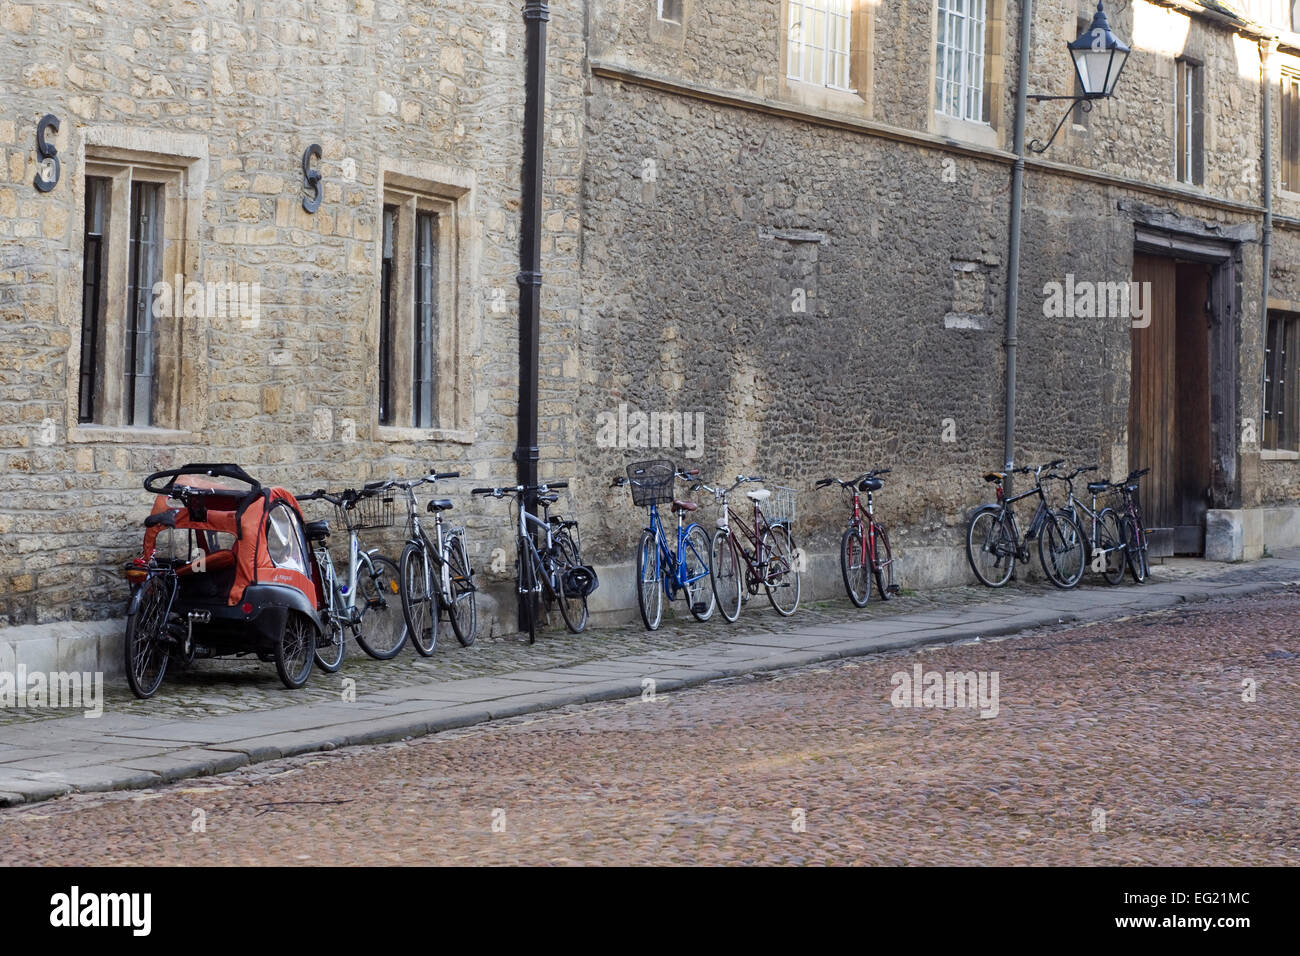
[(662, 569)]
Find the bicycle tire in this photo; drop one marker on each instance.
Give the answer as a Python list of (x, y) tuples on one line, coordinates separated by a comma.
[(649, 592), (329, 655), (572, 609), (381, 631), (295, 650), (883, 569), (463, 610), (1062, 549), (782, 572), (421, 606), (1134, 552), (854, 567), (527, 593), (724, 576), (146, 654), (695, 555), (977, 529), (1110, 538)]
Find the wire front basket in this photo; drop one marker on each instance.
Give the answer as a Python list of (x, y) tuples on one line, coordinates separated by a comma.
[(780, 507), (651, 482), (367, 513)]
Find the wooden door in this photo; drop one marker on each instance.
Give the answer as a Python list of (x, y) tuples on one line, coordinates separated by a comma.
[(1169, 407)]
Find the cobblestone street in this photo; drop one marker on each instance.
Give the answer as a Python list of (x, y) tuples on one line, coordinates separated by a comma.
[(1123, 742)]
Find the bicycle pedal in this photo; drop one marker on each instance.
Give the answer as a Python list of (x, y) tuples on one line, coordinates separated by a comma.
[(699, 607), (894, 589)]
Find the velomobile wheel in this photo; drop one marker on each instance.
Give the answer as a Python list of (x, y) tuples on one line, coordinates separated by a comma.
[(295, 650)]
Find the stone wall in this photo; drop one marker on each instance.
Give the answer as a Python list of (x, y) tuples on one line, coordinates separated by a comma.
[(244, 87)]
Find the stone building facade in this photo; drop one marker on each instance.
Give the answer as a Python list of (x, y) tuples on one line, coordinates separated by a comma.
[(762, 216)]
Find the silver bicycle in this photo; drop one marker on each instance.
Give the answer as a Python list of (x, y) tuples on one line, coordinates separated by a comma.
[(436, 575), (367, 601)]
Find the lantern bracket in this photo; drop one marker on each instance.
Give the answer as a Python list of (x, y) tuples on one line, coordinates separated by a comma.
[(1037, 145)]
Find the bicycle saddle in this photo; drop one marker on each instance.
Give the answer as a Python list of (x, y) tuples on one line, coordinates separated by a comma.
[(684, 506), (759, 494), (991, 476), (440, 504), (871, 484), (317, 530), (1097, 487)]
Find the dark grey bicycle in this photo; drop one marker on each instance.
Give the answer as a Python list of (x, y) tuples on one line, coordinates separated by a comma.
[(994, 543)]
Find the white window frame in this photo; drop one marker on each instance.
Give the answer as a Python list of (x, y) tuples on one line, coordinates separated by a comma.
[(959, 59), (681, 14), (819, 43)]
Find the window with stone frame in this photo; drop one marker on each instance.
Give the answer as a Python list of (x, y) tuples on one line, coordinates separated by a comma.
[(129, 352), (1281, 395), (1189, 122), (1289, 147), (959, 59), (417, 296), (819, 43)]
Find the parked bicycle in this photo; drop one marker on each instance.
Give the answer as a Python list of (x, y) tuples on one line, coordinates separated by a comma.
[(367, 600), (994, 542), (1133, 531), (435, 572), (666, 567), (553, 573), (864, 546), (1102, 530), (762, 555)]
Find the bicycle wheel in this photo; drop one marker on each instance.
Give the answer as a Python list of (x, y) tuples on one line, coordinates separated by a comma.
[(1062, 549), (1110, 538), (572, 609), (649, 592), (781, 576), (854, 567), (1134, 550), (699, 590), (528, 589), (724, 563), (990, 547), (382, 630), (329, 652), (295, 650), (146, 635), (463, 609), (420, 604), (884, 567)]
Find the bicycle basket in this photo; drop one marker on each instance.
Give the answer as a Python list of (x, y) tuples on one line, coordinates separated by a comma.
[(367, 513), (780, 507), (651, 482)]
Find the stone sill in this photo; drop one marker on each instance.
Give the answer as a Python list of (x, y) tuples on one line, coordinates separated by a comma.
[(965, 131), (1278, 454), (128, 436), (396, 433)]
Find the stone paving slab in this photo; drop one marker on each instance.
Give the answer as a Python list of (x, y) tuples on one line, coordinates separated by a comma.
[(234, 722)]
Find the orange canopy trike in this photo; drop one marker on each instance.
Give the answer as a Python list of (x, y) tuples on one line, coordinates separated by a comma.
[(243, 579)]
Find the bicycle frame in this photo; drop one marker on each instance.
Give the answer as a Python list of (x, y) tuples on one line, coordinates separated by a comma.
[(674, 560), (343, 600)]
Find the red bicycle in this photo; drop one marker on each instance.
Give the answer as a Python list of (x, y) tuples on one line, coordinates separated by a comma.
[(864, 546)]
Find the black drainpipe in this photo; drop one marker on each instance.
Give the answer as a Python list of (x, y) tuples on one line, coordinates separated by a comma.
[(536, 15)]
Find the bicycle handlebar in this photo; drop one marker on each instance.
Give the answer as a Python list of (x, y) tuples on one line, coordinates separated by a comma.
[(519, 489)]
